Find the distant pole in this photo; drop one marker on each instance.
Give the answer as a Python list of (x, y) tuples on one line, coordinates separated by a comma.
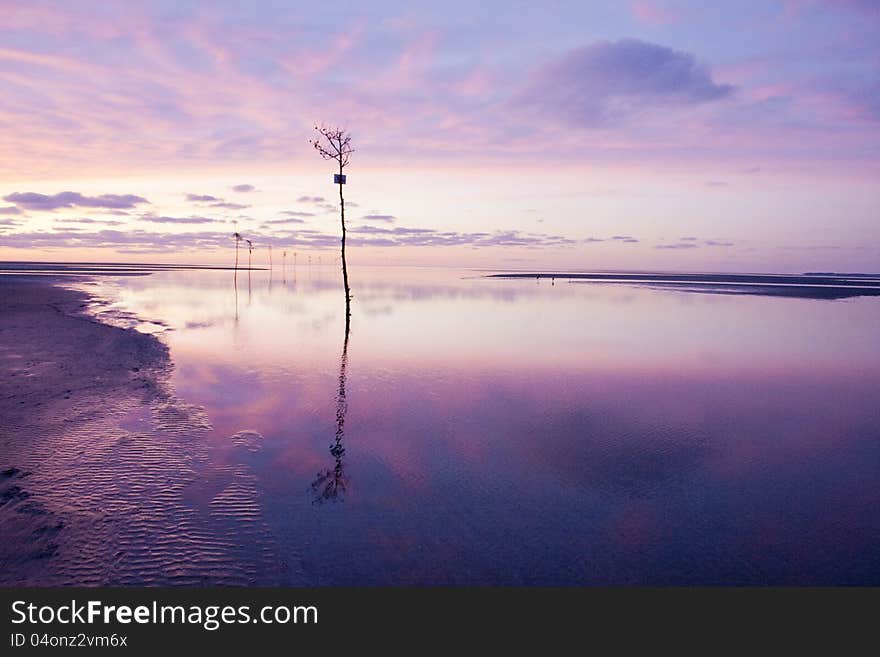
[(237, 237), (270, 256)]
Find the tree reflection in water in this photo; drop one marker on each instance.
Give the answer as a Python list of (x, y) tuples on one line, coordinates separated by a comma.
[(331, 484)]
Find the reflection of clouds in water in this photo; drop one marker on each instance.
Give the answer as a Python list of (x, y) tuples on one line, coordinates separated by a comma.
[(577, 420), (617, 453), (375, 311), (201, 294), (250, 440), (427, 292), (198, 325)]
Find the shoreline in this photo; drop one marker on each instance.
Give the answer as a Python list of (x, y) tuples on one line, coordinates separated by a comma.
[(100, 457), (65, 377), (58, 376), (806, 286)]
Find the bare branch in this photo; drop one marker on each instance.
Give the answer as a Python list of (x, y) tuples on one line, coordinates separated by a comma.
[(333, 144)]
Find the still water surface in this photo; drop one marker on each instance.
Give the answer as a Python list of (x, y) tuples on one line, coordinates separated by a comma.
[(478, 431)]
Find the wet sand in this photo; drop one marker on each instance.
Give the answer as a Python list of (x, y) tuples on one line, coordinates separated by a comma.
[(97, 453), (805, 286), (58, 366)]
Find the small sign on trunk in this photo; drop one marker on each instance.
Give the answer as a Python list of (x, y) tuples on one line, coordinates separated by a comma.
[(338, 178)]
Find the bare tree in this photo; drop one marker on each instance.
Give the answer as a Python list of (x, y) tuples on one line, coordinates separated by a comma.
[(250, 251), (335, 144)]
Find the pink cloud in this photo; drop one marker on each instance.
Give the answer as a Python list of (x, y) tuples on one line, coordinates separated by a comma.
[(654, 12)]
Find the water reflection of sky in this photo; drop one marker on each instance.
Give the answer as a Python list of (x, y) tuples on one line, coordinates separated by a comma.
[(523, 432)]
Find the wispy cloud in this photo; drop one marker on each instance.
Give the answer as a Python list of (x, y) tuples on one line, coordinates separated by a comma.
[(625, 239), (151, 242), (11, 209), (388, 218), (156, 219), (691, 242), (679, 245), (34, 201), (195, 198), (229, 206), (242, 189), (289, 220), (654, 12), (89, 220), (403, 236)]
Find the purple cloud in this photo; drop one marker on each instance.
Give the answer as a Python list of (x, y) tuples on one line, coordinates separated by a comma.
[(610, 80), (297, 213), (180, 220), (693, 243), (34, 201), (627, 239), (10, 210), (243, 189), (132, 241), (868, 6), (403, 236), (289, 220), (201, 198), (142, 241), (380, 217), (311, 199), (680, 245), (229, 206), (866, 100), (88, 220)]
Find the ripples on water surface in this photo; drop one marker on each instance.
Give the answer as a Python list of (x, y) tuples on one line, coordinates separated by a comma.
[(494, 432)]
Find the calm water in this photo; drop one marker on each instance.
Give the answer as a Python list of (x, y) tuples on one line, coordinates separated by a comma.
[(477, 431)]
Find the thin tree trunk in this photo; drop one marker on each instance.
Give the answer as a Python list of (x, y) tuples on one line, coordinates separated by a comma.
[(344, 268), (236, 255)]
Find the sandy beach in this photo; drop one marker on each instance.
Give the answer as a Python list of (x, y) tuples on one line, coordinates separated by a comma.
[(62, 374), (97, 451), (59, 367)]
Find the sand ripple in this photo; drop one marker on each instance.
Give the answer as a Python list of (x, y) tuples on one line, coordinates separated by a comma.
[(103, 485)]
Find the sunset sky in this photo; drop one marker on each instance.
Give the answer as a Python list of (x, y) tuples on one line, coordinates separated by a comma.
[(652, 134)]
